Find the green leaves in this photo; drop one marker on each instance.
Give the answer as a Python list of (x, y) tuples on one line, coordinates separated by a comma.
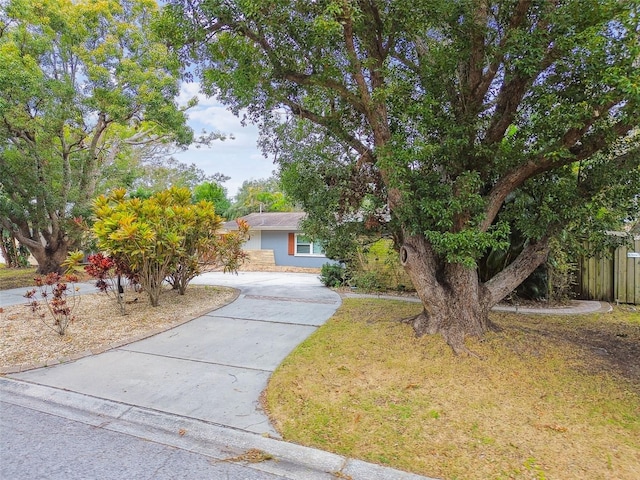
[(214, 193), (85, 86), (452, 116), (259, 195), (467, 246), (156, 236)]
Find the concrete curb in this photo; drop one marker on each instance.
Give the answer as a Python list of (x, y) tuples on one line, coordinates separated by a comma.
[(578, 307), (223, 444)]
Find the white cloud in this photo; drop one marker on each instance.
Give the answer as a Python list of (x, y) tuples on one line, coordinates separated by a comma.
[(188, 90), (238, 158), (210, 115)]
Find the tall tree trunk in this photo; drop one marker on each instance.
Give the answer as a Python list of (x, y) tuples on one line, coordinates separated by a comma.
[(456, 304), (454, 300)]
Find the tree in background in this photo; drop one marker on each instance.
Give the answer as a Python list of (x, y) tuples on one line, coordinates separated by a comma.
[(162, 172), (445, 123), (85, 84), (215, 193), (263, 195)]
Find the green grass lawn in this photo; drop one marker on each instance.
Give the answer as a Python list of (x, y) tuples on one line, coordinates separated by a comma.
[(552, 397), (23, 277), (16, 277)]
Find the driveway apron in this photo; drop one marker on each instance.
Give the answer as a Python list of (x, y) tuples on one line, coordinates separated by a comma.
[(215, 367)]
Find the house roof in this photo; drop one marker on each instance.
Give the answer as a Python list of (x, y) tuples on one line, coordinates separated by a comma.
[(269, 221)]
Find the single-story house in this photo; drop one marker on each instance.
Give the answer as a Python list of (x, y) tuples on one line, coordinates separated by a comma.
[(279, 232)]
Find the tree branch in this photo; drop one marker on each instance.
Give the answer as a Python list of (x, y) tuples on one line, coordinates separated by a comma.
[(478, 89), (570, 141), (472, 70), (297, 77), (327, 123), (598, 141), (503, 283), (88, 177), (356, 66), (335, 87), (511, 95), (21, 235)]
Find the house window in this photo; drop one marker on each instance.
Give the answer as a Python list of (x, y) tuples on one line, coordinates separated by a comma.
[(304, 246)]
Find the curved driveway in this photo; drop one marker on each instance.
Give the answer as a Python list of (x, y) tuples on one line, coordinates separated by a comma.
[(215, 367)]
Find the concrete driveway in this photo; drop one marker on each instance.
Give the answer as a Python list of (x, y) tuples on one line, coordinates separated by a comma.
[(215, 367)]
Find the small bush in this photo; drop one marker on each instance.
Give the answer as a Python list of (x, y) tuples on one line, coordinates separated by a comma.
[(108, 274), (378, 268), (371, 281), (333, 275), (59, 299)]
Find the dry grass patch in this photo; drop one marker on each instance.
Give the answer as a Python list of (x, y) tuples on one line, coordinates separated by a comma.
[(542, 404), (16, 277), (25, 340)]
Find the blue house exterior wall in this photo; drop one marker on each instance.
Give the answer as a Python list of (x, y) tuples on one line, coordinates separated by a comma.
[(278, 241)]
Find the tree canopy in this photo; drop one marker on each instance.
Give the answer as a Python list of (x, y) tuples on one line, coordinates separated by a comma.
[(453, 124), (84, 84), (262, 195), (215, 193)]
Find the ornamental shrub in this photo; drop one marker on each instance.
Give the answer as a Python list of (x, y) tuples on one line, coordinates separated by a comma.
[(333, 275), (147, 235), (109, 276), (164, 237), (59, 298)]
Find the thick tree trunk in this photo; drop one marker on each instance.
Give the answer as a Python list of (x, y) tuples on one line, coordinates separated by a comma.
[(454, 300), (456, 304), (50, 259), (49, 246)]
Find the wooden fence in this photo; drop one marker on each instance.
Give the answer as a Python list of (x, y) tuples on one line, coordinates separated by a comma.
[(614, 278)]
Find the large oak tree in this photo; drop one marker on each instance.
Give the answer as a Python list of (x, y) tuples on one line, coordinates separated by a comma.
[(85, 84), (454, 124)]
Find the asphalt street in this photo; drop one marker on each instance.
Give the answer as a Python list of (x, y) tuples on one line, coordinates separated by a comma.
[(36, 445)]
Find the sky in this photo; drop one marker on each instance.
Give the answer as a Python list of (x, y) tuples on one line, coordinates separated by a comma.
[(238, 158)]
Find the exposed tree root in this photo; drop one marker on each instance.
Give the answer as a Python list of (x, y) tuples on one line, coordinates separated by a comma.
[(454, 337)]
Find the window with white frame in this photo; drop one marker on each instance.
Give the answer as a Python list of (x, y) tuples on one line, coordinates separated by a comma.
[(304, 246)]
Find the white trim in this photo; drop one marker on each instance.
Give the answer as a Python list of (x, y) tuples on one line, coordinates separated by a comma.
[(311, 254)]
